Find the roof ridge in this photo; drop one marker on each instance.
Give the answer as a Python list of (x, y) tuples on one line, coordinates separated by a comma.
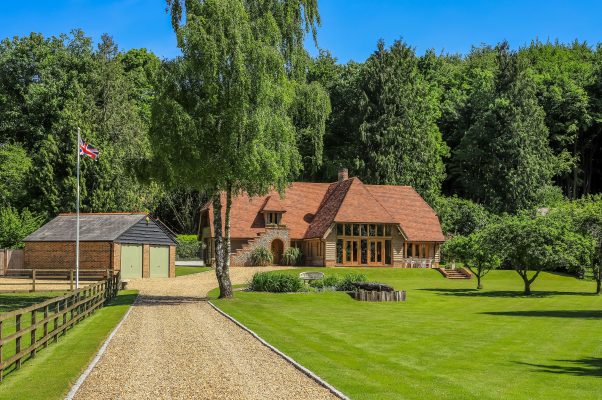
[(104, 213), (364, 186)]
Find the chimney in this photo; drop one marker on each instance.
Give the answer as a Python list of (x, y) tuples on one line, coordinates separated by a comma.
[(343, 174)]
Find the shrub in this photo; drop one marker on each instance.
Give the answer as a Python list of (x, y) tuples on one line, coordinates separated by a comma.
[(275, 282), (292, 256), (261, 256), (345, 284), (15, 226), (188, 247), (326, 282)]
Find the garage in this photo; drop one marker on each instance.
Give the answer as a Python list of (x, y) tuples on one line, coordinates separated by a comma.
[(133, 243), (131, 261), (159, 261)]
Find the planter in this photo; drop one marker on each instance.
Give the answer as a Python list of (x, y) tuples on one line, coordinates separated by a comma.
[(375, 295)]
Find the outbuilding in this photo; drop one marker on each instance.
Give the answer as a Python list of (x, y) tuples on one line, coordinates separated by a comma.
[(133, 243)]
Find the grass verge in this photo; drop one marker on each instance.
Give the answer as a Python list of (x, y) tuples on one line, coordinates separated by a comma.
[(53, 371), (448, 341), (182, 271)]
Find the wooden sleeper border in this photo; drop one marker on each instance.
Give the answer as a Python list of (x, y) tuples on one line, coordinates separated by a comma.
[(375, 295)]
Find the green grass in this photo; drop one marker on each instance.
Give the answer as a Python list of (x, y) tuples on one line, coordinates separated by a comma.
[(182, 271), (53, 371), (13, 301), (448, 341)]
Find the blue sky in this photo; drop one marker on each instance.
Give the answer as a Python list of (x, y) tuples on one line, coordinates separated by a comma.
[(350, 28)]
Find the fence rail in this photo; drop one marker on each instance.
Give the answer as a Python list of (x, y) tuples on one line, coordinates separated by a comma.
[(25, 331), (51, 277)]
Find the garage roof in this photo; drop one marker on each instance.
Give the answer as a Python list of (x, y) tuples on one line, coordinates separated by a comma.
[(104, 227)]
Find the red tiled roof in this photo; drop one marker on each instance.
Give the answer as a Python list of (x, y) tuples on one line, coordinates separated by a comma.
[(274, 204), (301, 203), (416, 218), (311, 208)]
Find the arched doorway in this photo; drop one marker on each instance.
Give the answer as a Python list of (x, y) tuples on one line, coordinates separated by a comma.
[(277, 250)]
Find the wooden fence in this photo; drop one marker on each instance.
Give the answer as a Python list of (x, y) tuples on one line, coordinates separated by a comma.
[(60, 279), (25, 331), (11, 259)]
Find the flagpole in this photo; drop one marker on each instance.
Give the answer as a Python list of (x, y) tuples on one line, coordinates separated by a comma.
[(77, 212)]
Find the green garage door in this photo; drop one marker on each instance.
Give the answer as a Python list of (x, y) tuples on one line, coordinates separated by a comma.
[(159, 261), (131, 261)]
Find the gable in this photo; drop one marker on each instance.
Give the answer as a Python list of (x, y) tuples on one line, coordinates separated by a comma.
[(149, 232), (417, 219), (359, 205)]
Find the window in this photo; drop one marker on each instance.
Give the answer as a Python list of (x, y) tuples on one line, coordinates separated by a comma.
[(348, 229), (410, 250), (340, 229), (372, 230), (379, 230), (356, 230), (388, 252), (387, 230), (339, 251)]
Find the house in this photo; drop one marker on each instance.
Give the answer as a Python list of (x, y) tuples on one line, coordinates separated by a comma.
[(133, 243), (345, 223)]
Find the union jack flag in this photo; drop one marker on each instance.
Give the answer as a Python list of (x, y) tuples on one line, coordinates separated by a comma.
[(87, 150)]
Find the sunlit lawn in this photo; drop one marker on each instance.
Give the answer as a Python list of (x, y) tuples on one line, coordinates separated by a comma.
[(182, 271), (53, 371), (448, 341)]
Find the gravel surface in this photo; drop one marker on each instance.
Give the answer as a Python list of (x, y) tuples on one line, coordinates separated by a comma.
[(175, 346)]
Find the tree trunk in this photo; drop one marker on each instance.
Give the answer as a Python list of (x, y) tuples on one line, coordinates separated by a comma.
[(599, 281), (523, 275), (225, 289), (226, 284), (479, 286)]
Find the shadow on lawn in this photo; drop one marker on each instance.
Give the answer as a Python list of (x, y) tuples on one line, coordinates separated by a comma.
[(146, 300), (584, 314), (590, 366), (503, 293), (13, 302)]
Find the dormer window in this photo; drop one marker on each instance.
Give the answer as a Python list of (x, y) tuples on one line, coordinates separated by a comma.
[(273, 218)]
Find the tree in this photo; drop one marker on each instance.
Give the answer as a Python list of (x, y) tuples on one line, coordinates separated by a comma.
[(461, 216), (585, 216), (504, 160), (477, 251), (535, 244), (15, 226), (399, 138), (227, 101), (14, 167)]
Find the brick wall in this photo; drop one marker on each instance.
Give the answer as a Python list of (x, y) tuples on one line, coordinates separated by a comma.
[(146, 261), (172, 261), (61, 255)]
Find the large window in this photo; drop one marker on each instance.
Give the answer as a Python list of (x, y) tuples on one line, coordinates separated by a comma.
[(368, 244), (273, 218)]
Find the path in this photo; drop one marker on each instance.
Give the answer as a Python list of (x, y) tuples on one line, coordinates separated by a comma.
[(175, 346)]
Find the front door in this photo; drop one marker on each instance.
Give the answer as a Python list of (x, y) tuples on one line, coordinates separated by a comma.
[(376, 252), (277, 250), (351, 253)]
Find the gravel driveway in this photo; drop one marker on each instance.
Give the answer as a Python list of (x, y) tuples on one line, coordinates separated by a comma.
[(175, 346)]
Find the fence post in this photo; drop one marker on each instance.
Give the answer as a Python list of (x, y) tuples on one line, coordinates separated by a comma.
[(32, 341), (1, 365), (18, 340), (33, 280), (46, 325)]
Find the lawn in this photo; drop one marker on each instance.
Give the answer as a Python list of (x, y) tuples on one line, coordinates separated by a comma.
[(448, 341), (13, 301), (53, 371), (182, 271)]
